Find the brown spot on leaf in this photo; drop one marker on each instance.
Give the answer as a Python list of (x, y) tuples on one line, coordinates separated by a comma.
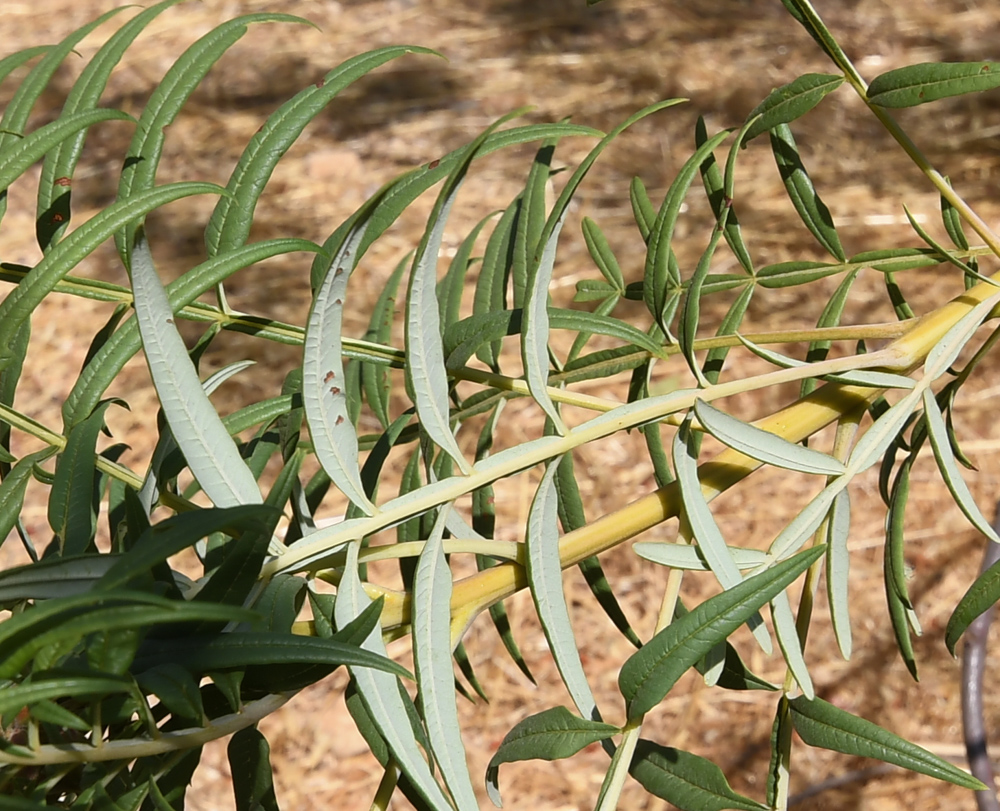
[(329, 376), (334, 390), (434, 164), (338, 421), (63, 181)]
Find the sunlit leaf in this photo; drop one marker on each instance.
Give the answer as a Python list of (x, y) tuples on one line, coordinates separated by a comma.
[(791, 101), (930, 81), (823, 725), (550, 735), (648, 675)]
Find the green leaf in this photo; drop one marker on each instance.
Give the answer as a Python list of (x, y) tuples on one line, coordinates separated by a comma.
[(232, 219), (642, 208), (811, 209), (572, 516), (250, 764), (825, 726), (380, 692), (119, 617), (12, 491), (53, 577), (73, 503), (734, 675), (166, 101), (763, 445), (982, 595), (432, 587), (172, 535), (687, 781), (14, 160), (791, 101), (553, 734), (659, 278), (491, 286), (176, 689), (544, 573), (48, 712), (22, 301), (324, 384), (535, 321), (648, 675), (603, 256), (788, 639), (468, 336), (208, 449), (930, 81), (54, 192), (838, 570), (63, 685), (203, 654), (124, 343), (706, 532), (719, 192), (692, 558), (426, 377), (938, 433)]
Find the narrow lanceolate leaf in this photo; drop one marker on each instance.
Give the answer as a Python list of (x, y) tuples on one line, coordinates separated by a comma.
[(603, 256), (811, 209), (54, 577), (948, 348), (72, 507), (12, 491), (544, 573), (838, 570), (930, 81), (791, 101), (706, 531), (647, 676), (380, 691), (719, 192), (54, 190), (13, 699), (535, 324), (828, 727), (324, 384), (17, 111), (938, 433), (432, 587), (177, 84), (687, 781), (550, 735), (982, 594), (250, 764), (683, 556), (204, 654), (21, 302), (17, 158), (763, 445), (658, 277), (788, 640), (174, 534), (209, 450), (426, 377), (230, 224), (374, 377), (104, 366)]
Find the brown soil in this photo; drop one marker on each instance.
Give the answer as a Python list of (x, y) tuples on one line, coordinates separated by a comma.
[(598, 65)]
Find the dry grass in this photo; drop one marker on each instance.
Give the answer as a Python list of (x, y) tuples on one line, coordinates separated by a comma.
[(597, 65)]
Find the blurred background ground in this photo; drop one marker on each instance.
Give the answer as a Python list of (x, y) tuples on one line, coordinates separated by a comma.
[(597, 65)]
